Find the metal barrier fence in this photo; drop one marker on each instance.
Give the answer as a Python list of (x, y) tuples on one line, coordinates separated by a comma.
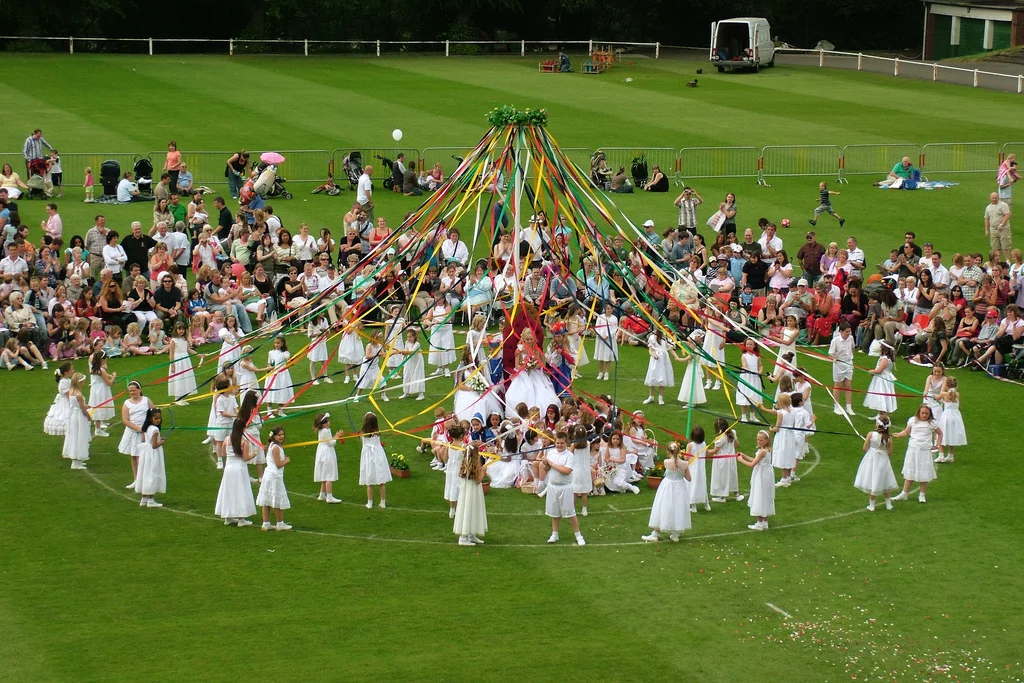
[(959, 157), (207, 168), (1010, 148), (370, 155), (799, 160), (718, 162), (664, 158), (875, 159)]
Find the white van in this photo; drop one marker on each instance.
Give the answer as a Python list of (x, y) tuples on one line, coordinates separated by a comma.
[(744, 42)]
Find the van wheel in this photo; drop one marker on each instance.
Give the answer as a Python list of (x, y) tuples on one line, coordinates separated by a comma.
[(757, 67), (772, 63), (721, 69)]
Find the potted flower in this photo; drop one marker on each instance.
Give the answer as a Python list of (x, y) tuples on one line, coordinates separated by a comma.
[(486, 483), (399, 466), (655, 474)]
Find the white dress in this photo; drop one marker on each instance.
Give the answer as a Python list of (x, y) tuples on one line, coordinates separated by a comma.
[(470, 510), (802, 424), (325, 467), (659, 365), (618, 479), (671, 509), (714, 344), (582, 482), (468, 402), (56, 422), (230, 348), (223, 403), (532, 387), (451, 474), (952, 425), (393, 340), (931, 399), (350, 351), (247, 380), (748, 392), (373, 463), (413, 375), (875, 475), (917, 464), (317, 342), (183, 380), (252, 433), (76, 440), (504, 473), (579, 350), (724, 475), (131, 439), (100, 395), (691, 391), (279, 385), (882, 390), (234, 499), (442, 338), (698, 474), (272, 491), (152, 476), (606, 329), (636, 440), (762, 488), (369, 371), (784, 446)]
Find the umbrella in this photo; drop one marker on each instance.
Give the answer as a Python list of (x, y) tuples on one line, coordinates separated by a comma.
[(271, 158)]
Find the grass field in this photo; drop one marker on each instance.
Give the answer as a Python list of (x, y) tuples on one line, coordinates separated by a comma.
[(97, 589)]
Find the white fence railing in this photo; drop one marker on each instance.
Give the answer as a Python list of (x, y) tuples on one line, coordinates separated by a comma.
[(911, 68)]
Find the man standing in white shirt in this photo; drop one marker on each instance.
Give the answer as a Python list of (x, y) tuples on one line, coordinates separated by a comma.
[(364, 192), (770, 243), (940, 274), (997, 226), (855, 257)]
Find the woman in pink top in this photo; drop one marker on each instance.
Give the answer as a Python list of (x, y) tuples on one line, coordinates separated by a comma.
[(173, 163), (53, 225)]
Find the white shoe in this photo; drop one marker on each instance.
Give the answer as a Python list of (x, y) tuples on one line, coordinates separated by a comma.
[(328, 380), (331, 500), (579, 540), (600, 375), (244, 522), (451, 513), (838, 410), (661, 400), (229, 521), (476, 539), (553, 538), (871, 506), (938, 458), (281, 526), (322, 496), (253, 480), (100, 432), (583, 512), (220, 464), (316, 383), (921, 498), (739, 497), (153, 504), (693, 509), (346, 379), (849, 411), (464, 540), (635, 490), (718, 500), (207, 440), (888, 504), (421, 397), (651, 538), (384, 397), (756, 527), (793, 478), (447, 372), (130, 486), (369, 505), (782, 483), (743, 418), (674, 538), (902, 496), (267, 526), (383, 505), (408, 396), (717, 387), (707, 384), (949, 458), (144, 502), (648, 400)]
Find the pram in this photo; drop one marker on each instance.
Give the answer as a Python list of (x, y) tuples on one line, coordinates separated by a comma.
[(38, 187), (144, 175), (394, 178), (639, 170), (600, 174), (268, 183), (110, 176), (353, 166)]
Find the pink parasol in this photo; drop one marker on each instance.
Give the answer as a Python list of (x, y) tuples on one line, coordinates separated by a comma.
[(272, 158)]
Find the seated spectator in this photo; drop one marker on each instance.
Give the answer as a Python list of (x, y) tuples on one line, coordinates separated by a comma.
[(658, 181), (184, 180), (901, 172), (410, 186), (799, 303), (127, 191), (620, 182), (12, 182)]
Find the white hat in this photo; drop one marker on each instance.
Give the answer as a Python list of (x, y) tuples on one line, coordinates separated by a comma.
[(737, 248), (648, 223), (801, 282)]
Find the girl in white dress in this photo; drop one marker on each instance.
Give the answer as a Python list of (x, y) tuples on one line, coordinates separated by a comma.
[(784, 449), (470, 511), (762, 483), (235, 502), (369, 373), (212, 432), (250, 401), (505, 470), (442, 338), (934, 385), (272, 493), (606, 348), (373, 462), (671, 509), (475, 337), (638, 442), (576, 325), (56, 422), (881, 394), (325, 467), (152, 475), (582, 481), (182, 380), (952, 422), (245, 372), (724, 474), (696, 451), (225, 412), (917, 464), (413, 377), (317, 352), (279, 385), (802, 424), (691, 390), (714, 347), (659, 366), (875, 475), (133, 417), (787, 338), (393, 327), (350, 351), (619, 473), (76, 439), (230, 347), (749, 388), (529, 383), (453, 465), (101, 399)]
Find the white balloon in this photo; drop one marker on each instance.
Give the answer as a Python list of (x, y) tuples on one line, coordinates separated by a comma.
[(397, 134)]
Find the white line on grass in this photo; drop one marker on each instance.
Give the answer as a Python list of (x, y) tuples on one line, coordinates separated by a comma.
[(779, 610)]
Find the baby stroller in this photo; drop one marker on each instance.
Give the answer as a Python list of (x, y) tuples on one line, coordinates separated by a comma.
[(330, 187), (144, 174), (38, 187), (268, 183), (639, 170), (394, 178), (353, 166), (110, 176), (600, 174)]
